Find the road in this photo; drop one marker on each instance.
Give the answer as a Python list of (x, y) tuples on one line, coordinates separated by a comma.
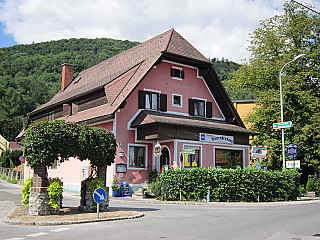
[(173, 221)]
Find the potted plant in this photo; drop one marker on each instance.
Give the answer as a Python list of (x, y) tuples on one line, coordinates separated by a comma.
[(115, 186)]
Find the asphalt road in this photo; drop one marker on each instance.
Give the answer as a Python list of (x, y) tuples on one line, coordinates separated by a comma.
[(172, 221)]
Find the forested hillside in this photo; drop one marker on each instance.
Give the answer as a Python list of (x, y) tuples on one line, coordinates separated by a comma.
[(31, 74)]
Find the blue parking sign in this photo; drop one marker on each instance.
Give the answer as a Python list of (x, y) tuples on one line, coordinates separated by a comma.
[(292, 151)]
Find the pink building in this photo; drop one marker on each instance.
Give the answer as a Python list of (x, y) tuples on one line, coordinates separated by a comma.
[(160, 91)]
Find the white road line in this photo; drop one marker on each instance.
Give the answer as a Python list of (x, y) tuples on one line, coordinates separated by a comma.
[(60, 229), (37, 234), (14, 238)]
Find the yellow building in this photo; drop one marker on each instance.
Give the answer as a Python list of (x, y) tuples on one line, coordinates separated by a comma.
[(4, 144), (244, 107)]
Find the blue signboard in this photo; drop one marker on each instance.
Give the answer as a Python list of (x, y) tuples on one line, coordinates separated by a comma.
[(99, 195), (292, 151)]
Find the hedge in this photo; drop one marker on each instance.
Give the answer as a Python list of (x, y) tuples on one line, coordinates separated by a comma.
[(247, 185)]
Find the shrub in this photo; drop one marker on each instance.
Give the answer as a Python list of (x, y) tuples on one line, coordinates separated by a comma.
[(55, 190), (311, 186), (238, 184), (25, 191)]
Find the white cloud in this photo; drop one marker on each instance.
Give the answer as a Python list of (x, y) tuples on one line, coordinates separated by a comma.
[(216, 28)]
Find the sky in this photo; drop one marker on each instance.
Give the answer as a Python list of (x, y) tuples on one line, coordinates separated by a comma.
[(217, 28)]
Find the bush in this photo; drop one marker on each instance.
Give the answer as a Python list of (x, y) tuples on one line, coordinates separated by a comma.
[(311, 186), (55, 190), (230, 184), (25, 191)]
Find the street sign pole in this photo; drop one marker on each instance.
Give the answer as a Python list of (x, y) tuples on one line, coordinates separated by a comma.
[(99, 195)]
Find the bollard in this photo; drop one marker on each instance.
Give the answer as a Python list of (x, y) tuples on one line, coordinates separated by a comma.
[(208, 194)]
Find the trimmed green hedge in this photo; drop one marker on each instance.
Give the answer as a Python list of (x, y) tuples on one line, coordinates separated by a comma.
[(230, 184)]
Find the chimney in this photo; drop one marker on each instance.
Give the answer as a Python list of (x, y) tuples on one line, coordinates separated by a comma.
[(66, 75)]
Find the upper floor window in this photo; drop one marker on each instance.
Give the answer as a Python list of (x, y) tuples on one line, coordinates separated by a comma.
[(177, 73), (137, 155), (200, 108), (152, 100), (176, 100)]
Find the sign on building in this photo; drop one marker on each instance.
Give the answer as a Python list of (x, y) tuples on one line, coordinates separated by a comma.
[(206, 137)]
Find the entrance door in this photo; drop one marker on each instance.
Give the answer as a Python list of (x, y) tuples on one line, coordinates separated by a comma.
[(165, 157)]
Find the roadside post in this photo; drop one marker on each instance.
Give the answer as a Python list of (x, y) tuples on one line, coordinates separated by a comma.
[(21, 158), (99, 195), (208, 194)]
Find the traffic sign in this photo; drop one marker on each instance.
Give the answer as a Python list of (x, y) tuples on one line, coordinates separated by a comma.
[(282, 125), (188, 151), (293, 164), (21, 158), (99, 195), (292, 151)]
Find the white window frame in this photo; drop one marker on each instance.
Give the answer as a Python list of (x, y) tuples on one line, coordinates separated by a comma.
[(145, 157), (228, 148), (176, 105), (205, 106), (193, 146), (177, 68)]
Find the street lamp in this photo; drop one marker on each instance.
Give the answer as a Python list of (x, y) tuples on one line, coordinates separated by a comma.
[(281, 103)]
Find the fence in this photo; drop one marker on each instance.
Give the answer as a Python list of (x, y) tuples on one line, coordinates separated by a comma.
[(11, 173)]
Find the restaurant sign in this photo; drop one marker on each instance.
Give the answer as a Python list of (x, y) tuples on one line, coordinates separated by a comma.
[(206, 137)]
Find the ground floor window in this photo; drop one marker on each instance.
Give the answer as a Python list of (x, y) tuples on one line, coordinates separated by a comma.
[(137, 156), (226, 158), (192, 160)]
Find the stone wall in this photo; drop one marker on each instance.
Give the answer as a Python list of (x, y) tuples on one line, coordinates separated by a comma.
[(87, 204)]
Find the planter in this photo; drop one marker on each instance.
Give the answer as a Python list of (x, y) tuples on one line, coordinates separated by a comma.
[(115, 193)]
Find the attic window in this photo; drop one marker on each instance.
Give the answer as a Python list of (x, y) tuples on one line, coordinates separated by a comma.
[(177, 73)]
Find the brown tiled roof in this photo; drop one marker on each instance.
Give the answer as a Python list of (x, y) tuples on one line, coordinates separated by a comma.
[(120, 74), (152, 117)]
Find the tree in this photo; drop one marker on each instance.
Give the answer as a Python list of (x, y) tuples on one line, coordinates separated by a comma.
[(275, 42), (10, 159), (47, 141)]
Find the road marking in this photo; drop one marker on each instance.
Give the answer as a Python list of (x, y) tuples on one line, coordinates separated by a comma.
[(15, 238), (60, 229), (37, 234)]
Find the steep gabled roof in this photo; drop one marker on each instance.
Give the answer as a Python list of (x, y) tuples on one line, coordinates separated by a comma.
[(140, 58), (119, 76)]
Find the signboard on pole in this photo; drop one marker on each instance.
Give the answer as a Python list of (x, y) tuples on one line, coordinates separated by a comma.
[(21, 158), (188, 151), (258, 152), (292, 151), (293, 164), (282, 125), (99, 195)]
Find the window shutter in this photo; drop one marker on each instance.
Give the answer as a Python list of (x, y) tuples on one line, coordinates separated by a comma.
[(209, 110), (141, 100), (182, 74), (191, 107), (172, 72), (163, 102)]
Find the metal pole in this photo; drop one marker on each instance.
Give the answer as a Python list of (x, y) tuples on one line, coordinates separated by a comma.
[(98, 205), (281, 104)]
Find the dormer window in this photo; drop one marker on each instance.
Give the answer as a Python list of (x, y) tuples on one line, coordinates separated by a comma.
[(177, 73), (152, 100)]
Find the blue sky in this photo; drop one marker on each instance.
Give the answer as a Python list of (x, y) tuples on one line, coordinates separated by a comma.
[(216, 28), (6, 40)]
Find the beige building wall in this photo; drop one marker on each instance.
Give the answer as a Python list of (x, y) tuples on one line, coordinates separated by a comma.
[(4, 144)]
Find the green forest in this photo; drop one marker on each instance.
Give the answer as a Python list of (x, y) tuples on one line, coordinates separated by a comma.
[(30, 74)]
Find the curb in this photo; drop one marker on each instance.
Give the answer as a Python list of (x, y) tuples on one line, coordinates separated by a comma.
[(35, 223)]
